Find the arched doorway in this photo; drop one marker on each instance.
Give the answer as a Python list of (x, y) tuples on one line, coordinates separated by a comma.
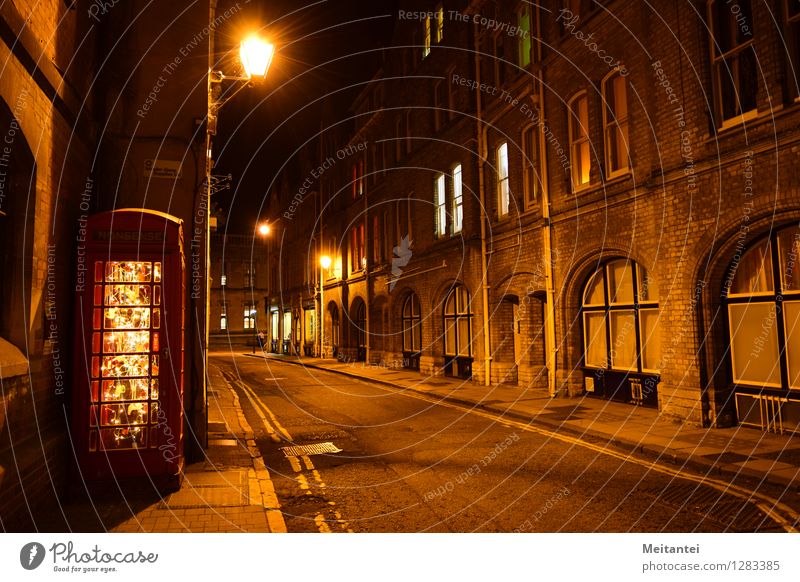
[(762, 303), (359, 315), (336, 333), (411, 318), (458, 333), (621, 341)]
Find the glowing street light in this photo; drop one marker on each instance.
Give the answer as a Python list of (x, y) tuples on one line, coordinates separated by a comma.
[(264, 229), (256, 55), (325, 264)]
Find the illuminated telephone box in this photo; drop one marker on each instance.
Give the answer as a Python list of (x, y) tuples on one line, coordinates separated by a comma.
[(128, 397)]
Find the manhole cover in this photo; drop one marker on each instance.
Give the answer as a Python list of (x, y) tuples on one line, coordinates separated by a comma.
[(315, 449)]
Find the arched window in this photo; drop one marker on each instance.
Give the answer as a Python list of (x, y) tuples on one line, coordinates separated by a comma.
[(412, 331), (763, 304), (620, 319), (458, 323), (412, 324)]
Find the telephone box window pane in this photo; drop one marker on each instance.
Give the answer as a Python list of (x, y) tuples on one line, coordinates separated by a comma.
[(127, 413), (155, 342), (95, 390), (623, 339), (93, 416), (157, 295), (156, 318), (754, 344), (129, 272), (97, 319), (157, 272), (127, 318), (133, 389), (124, 366), (96, 342), (154, 413), (753, 273), (98, 294), (98, 271), (154, 388), (127, 295), (126, 342), (154, 366), (791, 320), (620, 282), (95, 367), (651, 340), (594, 329), (132, 437)]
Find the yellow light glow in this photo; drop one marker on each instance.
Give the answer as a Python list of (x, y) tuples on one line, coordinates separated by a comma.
[(264, 229), (256, 55), (325, 262)]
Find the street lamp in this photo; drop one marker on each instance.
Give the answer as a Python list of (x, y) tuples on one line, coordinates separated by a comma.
[(256, 56), (264, 230), (325, 264)]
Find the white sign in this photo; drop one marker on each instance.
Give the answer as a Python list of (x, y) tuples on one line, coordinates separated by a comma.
[(168, 169)]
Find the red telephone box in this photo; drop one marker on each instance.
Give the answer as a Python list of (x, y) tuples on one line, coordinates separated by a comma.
[(128, 395)]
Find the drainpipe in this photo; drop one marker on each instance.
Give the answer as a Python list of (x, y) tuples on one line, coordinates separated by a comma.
[(487, 353), (367, 302), (547, 245)]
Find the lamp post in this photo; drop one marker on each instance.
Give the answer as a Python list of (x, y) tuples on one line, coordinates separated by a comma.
[(256, 56), (264, 231), (324, 264)]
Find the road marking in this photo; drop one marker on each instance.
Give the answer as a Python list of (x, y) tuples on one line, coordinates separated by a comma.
[(766, 504), (260, 408)]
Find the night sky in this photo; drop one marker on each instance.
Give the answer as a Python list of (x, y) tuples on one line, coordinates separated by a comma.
[(318, 45)]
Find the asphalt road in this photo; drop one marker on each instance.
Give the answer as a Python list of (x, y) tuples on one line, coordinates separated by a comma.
[(410, 465)]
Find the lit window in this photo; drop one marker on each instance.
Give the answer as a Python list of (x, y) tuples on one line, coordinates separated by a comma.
[(620, 319), (249, 317), (763, 301), (792, 36), (503, 192), (458, 200), (524, 30), (615, 124), (439, 23), (530, 178), (733, 60), (223, 280), (426, 49), (579, 140), (440, 200), (223, 322)]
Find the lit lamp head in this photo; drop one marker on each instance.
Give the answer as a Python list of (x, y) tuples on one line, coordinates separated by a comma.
[(264, 229), (256, 55), (325, 262)]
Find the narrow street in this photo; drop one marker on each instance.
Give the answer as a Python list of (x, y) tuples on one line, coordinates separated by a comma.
[(408, 464)]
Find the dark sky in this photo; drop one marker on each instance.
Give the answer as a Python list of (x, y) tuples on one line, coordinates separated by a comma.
[(318, 45)]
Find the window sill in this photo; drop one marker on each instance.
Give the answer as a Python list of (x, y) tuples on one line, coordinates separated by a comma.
[(738, 121)]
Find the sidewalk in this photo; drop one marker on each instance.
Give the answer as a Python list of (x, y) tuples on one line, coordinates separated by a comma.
[(230, 491), (737, 451)]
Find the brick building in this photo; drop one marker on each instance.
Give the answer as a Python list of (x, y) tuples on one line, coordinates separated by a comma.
[(96, 101), (576, 197)]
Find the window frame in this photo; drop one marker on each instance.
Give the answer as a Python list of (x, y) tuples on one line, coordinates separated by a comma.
[(460, 312), (525, 8), (615, 123), (720, 64), (411, 322), (457, 199), (576, 144), (530, 173), (635, 306), (440, 205), (503, 181)]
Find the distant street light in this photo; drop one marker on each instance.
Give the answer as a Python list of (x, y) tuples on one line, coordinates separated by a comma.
[(325, 264), (264, 229)]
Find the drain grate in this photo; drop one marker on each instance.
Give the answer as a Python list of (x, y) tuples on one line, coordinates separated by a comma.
[(315, 449), (733, 513)]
